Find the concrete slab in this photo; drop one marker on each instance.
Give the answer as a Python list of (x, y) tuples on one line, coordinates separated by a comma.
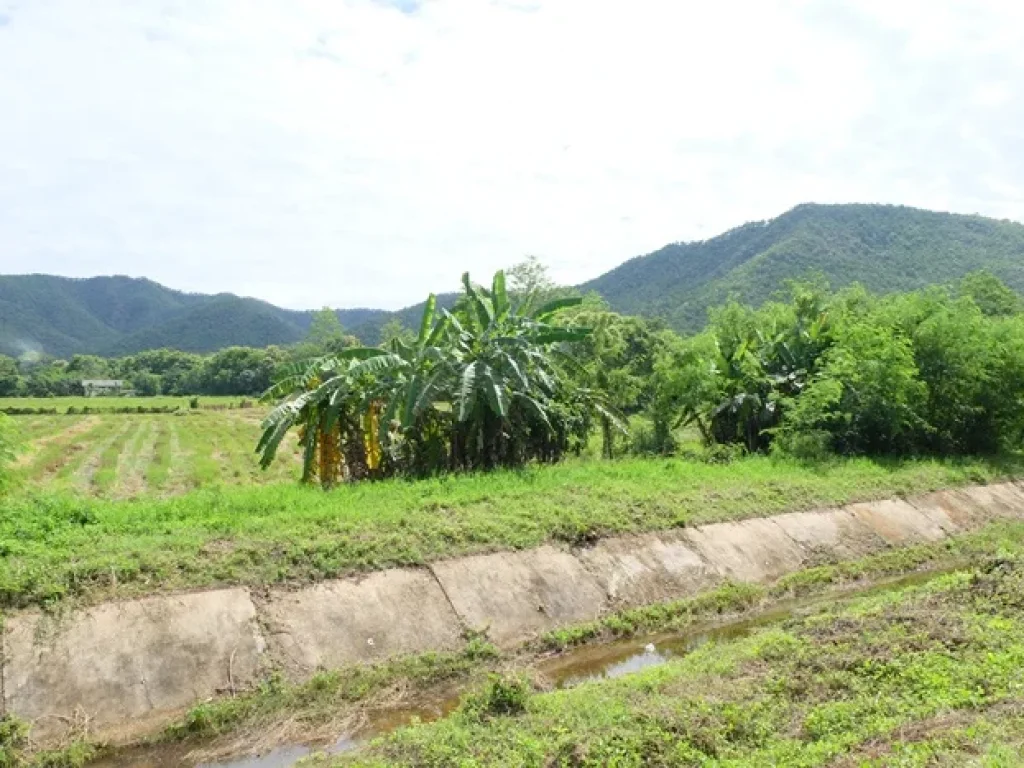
[(648, 569), (515, 595), (953, 511), (352, 621), (751, 550), (897, 522), (827, 536), (128, 661), (998, 500)]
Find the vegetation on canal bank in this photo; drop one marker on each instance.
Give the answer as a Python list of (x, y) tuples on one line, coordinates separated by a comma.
[(925, 675), (56, 546)]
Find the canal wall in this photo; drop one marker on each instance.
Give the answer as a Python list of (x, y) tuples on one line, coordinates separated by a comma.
[(125, 668)]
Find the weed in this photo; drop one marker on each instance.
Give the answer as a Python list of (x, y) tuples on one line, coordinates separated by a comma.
[(502, 694)]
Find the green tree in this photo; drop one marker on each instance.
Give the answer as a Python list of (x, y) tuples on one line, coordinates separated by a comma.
[(478, 387), (326, 332), (617, 361), (393, 330), (866, 398), (531, 286), (146, 384), (241, 370), (89, 367), (10, 380), (993, 297)]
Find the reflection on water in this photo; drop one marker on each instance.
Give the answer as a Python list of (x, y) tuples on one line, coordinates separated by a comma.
[(574, 667), (278, 758), (177, 756)]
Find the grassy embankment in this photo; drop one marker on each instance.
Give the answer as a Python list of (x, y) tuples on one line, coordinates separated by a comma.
[(931, 675), (69, 545)]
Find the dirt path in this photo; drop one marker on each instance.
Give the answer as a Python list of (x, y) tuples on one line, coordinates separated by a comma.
[(131, 466)]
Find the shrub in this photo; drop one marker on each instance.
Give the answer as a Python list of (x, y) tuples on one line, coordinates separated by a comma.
[(502, 695)]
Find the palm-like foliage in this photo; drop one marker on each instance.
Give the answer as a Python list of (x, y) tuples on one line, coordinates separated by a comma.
[(481, 386)]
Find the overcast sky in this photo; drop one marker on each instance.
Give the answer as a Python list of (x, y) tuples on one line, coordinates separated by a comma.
[(365, 152)]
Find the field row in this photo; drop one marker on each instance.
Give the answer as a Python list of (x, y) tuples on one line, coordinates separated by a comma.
[(128, 455)]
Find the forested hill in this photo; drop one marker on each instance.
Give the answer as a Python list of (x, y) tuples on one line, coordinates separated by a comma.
[(118, 315), (887, 248)]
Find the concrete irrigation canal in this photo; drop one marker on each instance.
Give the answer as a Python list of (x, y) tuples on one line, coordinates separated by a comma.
[(128, 668)]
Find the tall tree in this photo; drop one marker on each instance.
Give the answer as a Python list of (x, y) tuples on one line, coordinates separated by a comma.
[(325, 330), (531, 286)]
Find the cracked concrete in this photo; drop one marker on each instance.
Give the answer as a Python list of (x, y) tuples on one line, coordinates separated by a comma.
[(515, 595), (121, 661), (650, 568), (128, 667), (351, 621)]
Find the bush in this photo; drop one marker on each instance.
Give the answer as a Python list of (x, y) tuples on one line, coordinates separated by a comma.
[(13, 740), (502, 695), (929, 372)]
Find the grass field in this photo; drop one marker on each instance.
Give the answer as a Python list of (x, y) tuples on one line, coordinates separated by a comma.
[(116, 456), (927, 675)]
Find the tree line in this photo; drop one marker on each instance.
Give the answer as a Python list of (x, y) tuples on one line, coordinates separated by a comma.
[(244, 371), (503, 379)]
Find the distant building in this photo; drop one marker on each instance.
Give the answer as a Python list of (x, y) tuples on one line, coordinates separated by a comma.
[(103, 387)]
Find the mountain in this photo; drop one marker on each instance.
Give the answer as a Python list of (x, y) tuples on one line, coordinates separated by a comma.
[(887, 248), (120, 315)]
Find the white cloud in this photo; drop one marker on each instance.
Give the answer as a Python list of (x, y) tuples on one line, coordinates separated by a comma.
[(365, 152)]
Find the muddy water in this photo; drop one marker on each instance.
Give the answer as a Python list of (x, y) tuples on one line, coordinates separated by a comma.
[(581, 665)]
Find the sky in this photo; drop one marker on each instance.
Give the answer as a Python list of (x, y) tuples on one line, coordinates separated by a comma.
[(366, 152)]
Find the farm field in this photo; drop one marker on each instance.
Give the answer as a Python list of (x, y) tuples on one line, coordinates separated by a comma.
[(118, 456)]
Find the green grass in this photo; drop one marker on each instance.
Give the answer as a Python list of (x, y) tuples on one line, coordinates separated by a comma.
[(131, 454), (56, 546), (738, 598), (158, 468), (929, 675)]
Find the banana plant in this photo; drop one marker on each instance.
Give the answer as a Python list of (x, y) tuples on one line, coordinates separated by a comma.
[(481, 380), (325, 398)]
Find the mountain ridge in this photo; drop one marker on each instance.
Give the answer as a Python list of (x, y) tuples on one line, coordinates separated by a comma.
[(887, 248)]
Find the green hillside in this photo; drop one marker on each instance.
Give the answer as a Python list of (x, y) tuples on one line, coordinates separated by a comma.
[(887, 248), (119, 315)]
